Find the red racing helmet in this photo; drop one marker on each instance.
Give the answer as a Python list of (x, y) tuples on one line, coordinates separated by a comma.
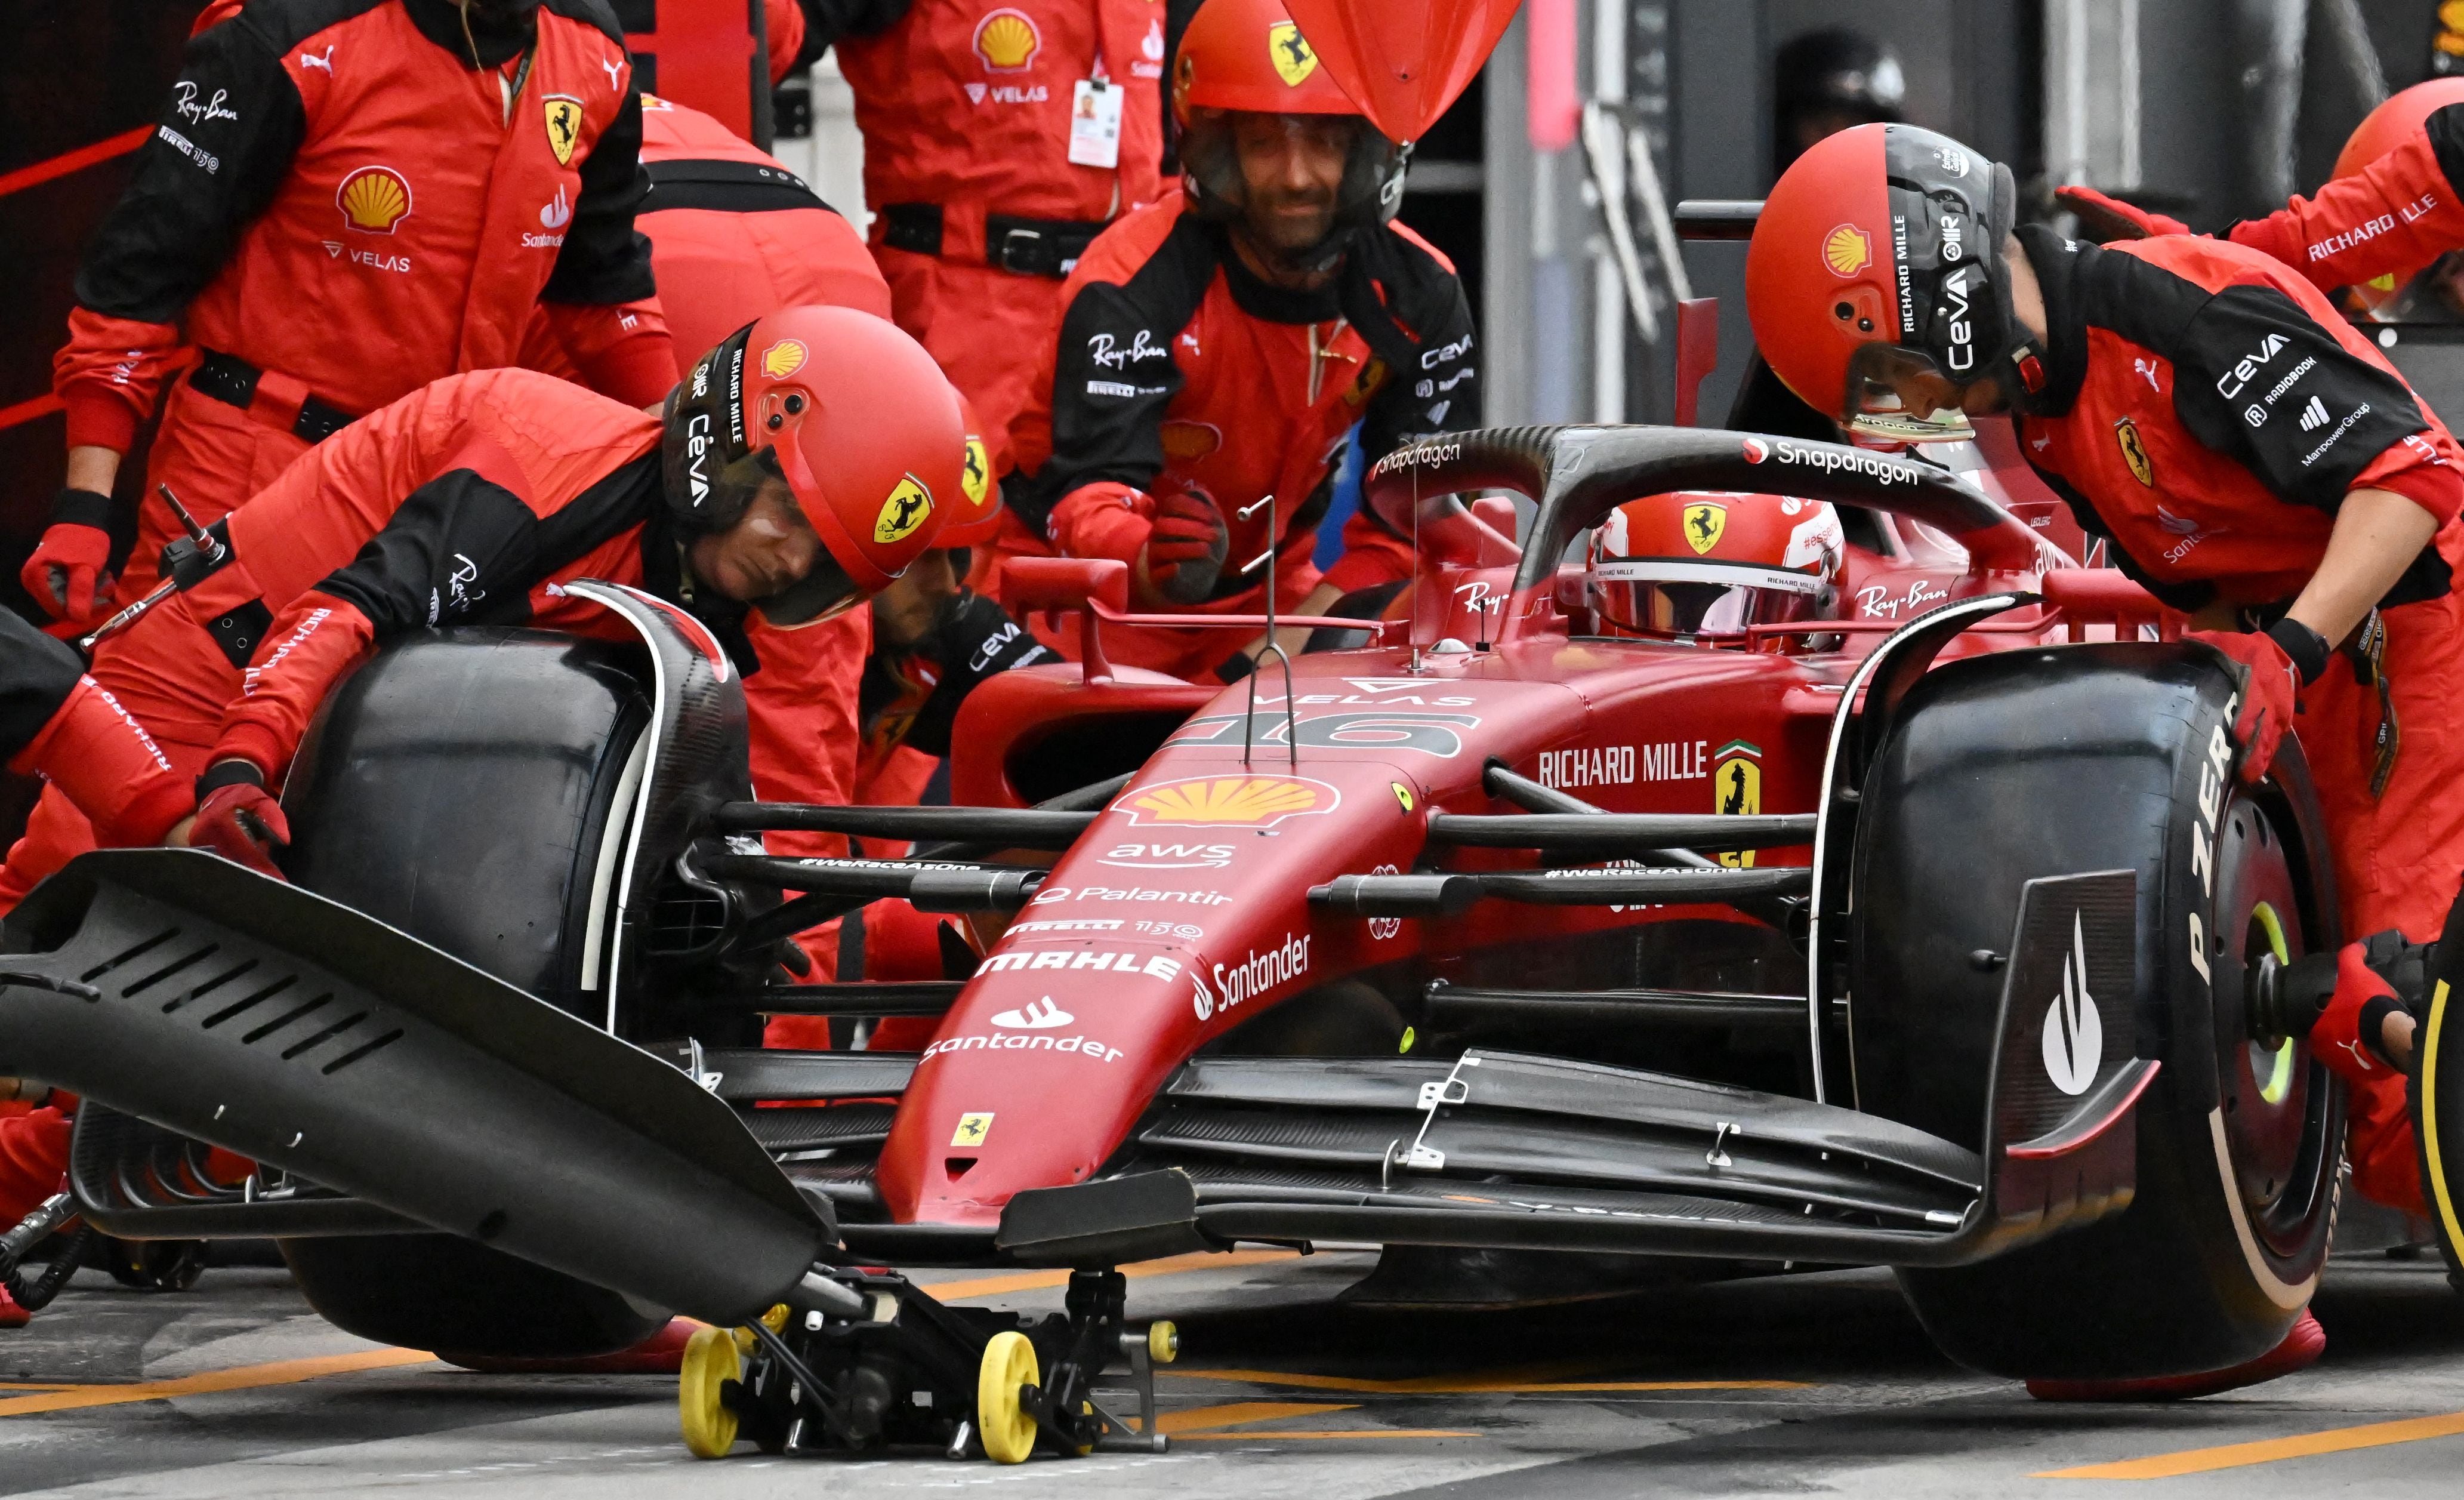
[(1248, 56), (857, 420), (1704, 565), (2422, 295), (1882, 246)]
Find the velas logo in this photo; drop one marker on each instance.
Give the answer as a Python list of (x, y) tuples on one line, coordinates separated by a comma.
[(1294, 58), (1847, 250), (1041, 1016), (784, 357), (1704, 524), (1007, 41), (374, 199), (975, 472), (1757, 450), (562, 114), (1212, 801), (908, 506)]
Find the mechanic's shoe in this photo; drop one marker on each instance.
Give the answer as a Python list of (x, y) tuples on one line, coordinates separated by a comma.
[(11, 1315), (2301, 1349), (663, 1352)]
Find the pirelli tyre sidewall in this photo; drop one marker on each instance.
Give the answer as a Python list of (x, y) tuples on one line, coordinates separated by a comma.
[(463, 786), (2435, 1096), (2003, 768)]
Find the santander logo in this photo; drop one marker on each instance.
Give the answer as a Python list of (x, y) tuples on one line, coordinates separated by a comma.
[(1041, 1016)]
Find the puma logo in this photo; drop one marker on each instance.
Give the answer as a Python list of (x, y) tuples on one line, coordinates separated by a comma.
[(615, 74), (324, 59)]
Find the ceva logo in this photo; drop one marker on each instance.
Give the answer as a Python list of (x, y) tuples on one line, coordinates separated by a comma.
[(1042, 1016), (2074, 1041)]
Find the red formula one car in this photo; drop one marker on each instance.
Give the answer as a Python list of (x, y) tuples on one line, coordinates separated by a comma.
[(1933, 933)]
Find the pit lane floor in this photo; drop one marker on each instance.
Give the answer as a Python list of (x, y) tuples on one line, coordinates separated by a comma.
[(1783, 1386)]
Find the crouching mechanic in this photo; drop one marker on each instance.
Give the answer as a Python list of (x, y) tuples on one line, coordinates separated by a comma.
[(791, 494), (1219, 344), (2254, 461)]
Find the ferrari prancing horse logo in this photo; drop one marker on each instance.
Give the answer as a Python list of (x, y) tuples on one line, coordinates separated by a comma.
[(1294, 61), (2134, 452), (905, 509), (1737, 790), (564, 126), (1704, 524)]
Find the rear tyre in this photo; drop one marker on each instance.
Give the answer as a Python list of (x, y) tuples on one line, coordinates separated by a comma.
[(2238, 1143), (465, 788)]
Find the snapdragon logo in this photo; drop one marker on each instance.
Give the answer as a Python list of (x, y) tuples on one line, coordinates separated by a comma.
[(1830, 460)]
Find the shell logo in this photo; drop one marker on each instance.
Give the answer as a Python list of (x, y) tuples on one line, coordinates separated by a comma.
[(374, 199), (784, 357), (1847, 250), (1007, 41), (907, 508), (1215, 801), (1185, 439), (1294, 59)]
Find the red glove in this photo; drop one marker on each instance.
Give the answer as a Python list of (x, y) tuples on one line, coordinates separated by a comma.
[(2270, 678), (1184, 552), (237, 818), (2346, 1035), (2108, 219), (67, 573)]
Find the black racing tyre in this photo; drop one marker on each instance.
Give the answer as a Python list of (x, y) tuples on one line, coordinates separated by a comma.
[(2004, 768), (463, 786)]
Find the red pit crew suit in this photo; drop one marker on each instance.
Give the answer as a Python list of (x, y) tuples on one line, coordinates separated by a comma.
[(58, 722), (978, 211), (734, 234), (2213, 412), (339, 208), (1177, 369)]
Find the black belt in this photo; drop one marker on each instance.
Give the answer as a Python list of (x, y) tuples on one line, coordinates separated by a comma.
[(232, 381), (1020, 247), (726, 188)]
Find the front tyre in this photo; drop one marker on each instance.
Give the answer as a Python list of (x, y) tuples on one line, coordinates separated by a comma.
[(2005, 768)]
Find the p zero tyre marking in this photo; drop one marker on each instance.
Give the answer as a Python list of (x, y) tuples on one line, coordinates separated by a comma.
[(2292, 1296), (2430, 1118)]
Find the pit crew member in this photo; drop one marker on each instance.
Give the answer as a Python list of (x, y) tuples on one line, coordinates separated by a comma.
[(791, 487), (1220, 344), (2251, 457), (345, 199), (998, 140)]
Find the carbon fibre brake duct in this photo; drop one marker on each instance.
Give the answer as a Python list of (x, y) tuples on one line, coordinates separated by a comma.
[(173, 985)]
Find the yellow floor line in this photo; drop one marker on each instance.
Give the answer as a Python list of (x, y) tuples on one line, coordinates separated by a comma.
[(1036, 1280), (1287, 1436), (1472, 1385), (2270, 1450), (242, 1378), (1205, 1418)]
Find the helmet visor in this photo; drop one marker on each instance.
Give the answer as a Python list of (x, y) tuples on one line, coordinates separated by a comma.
[(1897, 394), (1678, 600), (1350, 170), (824, 592)]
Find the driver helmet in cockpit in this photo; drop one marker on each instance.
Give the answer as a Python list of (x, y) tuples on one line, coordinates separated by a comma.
[(1706, 564)]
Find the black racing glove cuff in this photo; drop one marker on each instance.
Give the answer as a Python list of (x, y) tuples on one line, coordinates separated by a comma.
[(228, 773), (2373, 1024), (2308, 648), (76, 507)]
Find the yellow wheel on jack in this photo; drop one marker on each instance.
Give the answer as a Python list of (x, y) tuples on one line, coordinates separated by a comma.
[(1163, 1343), (709, 1362), (1007, 1431)]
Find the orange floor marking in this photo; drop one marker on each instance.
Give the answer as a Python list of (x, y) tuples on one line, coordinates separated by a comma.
[(242, 1378), (1036, 1280), (2269, 1450), (1207, 1418), (1504, 1384), (1361, 1432)]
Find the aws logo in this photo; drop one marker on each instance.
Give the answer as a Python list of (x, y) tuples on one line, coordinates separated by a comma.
[(1215, 801)]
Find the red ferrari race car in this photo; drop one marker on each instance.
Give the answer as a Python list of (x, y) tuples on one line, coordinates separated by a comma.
[(1918, 923)]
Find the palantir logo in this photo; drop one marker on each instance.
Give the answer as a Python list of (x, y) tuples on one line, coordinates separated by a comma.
[(1044, 1016), (2074, 1032)]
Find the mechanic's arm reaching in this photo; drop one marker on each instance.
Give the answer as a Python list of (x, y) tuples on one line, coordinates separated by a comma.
[(57, 721)]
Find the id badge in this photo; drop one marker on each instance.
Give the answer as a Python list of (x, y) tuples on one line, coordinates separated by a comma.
[(1096, 124)]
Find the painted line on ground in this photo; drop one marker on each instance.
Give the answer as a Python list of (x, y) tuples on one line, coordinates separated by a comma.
[(2269, 1450), (1360, 1432), (1502, 1384), (1206, 1419), (1039, 1280), (241, 1378)]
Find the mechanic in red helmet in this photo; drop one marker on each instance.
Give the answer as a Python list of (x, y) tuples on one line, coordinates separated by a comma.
[(2252, 459), (345, 199), (999, 140), (800, 468), (2387, 226), (1220, 344)]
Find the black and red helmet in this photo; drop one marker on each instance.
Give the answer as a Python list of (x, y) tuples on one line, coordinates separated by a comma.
[(1883, 244)]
